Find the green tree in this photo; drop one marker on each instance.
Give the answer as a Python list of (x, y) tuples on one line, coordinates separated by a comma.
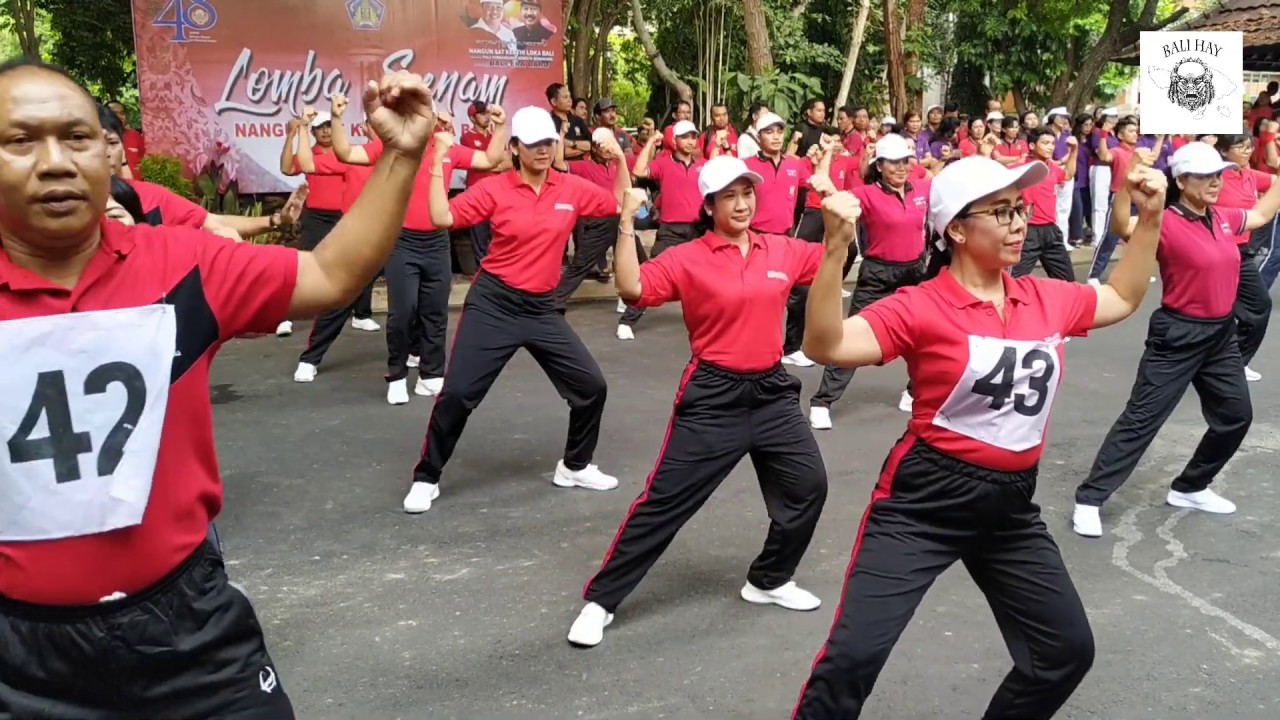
[(93, 40)]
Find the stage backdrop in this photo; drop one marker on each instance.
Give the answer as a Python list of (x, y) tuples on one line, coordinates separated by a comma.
[(221, 78)]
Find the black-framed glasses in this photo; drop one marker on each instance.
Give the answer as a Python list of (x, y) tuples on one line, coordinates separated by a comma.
[(1003, 215)]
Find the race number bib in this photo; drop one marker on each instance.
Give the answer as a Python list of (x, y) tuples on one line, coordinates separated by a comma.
[(1003, 398), (82, 407)]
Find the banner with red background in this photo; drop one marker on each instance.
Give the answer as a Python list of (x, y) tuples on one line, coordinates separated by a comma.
[(220, 79)]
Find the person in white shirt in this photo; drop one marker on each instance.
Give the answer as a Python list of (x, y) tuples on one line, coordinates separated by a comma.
[(491, 22)]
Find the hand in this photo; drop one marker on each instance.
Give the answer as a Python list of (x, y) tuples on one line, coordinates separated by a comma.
[(1143, 156), (1073, 142), (814, 154), (1147, 188), (443, 141), (497, 115), (840, 213), (338, 105), (308, 115), (292, 209), (399, 111), (721, 136), (653, 140), (797, 137), (632, 201), (946, 152), (295, 124)]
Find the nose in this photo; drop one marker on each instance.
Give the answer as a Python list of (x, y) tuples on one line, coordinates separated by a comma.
[(53, 158)]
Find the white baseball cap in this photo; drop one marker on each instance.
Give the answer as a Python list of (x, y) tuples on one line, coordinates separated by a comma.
[(1198, 158), (888, 120), (684, 127), (768, 120), (532, 125), (722, 171), (974, 178), (1111, 112), (320, 119), (997, 115), (1060, 110), (893, 147), (932, 108)]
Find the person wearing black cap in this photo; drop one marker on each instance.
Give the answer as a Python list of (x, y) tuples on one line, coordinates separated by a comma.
[(532, 31), (606, 114)]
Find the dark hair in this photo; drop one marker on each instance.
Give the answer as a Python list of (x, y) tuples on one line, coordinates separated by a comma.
[(1257, 125), (1010, 122), (1023, 117), (1124, 123), (846, 109), (1173, 195), (110, 123), (811, 103), (951, 107), (1078, 124), (553, 90), (969, 125), (123, 193), (947, 129), (704, 223), (754, 109), (579, 100), (1226, 141), (1034, 134), (906, 116)]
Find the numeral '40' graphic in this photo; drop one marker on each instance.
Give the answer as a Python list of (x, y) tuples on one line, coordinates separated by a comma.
[(184, 15), (64, 444)]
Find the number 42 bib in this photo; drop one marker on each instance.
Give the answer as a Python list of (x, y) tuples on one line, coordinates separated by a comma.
[(82, 407), (1004, 397)]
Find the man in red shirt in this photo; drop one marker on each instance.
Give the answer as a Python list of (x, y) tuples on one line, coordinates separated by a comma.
[(1043, 243), (1121, 156), (720, 135), (477, 138), (135, 145), (112, 601)]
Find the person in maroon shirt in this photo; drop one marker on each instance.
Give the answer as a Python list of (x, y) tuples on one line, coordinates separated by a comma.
[(984, 352), (112, 601), (510, 306), (679, 219), (1044, 243), (734, 398), (720, 138), (1191, 341), (478, 138), (1118, 157), (783, 175), (420, 271)]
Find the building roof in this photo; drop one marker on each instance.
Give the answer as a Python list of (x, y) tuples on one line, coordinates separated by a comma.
[(1259, 20)]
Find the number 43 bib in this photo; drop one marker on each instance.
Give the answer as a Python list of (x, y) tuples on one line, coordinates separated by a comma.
[(82, 407), (1003, 398)]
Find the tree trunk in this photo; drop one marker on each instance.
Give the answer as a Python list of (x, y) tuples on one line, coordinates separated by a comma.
[(23, 13), (855, 47), (600, 58), (759, 53), (673, 81), (1062, 83), (1118, 34), (1019, 101), (580, 70), (910, 63), (897, 81)]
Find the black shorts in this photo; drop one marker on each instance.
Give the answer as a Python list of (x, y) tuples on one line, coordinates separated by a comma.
[(188, 648)]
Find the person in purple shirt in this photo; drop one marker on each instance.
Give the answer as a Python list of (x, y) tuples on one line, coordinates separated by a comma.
[(945, 137), (1166, 149), (1058, 121), (1080, 206), (1101, 140)]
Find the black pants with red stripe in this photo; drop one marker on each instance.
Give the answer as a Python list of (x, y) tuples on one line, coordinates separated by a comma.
[(1044, 245), (592, 238), (327, 327), (1181, 351), (928, 511), (668, 236), (719, 418), (496, 321), (877, 279), (811, 229)]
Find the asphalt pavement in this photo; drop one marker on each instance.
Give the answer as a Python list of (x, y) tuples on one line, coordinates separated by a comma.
[(461, 612)]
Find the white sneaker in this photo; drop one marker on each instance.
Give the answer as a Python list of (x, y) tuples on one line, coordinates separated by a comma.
[(1087, 521), (1095, 282), (625, 333), (588, 629), (906, 402), (428, 387), (398, 392), (284, 329), (365, 324), (820, 418), (798, 359), (305, 373), (588, 477), (413, 361), (622, 307), (420, 497), (845, 294), (1252, 375), (789, 596), (1206, 500)]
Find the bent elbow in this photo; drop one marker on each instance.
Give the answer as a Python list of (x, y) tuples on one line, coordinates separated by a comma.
[(629, 293), (817, 351)]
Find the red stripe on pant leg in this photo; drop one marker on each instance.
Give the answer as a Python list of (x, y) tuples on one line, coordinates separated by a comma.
[(457, 331), (648, 483), (883, 487)]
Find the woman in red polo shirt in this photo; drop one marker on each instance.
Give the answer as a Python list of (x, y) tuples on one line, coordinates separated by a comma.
[(1191, 340), (1241, 188), (734, 398), (984, 351), (894, 211), (531, 211)]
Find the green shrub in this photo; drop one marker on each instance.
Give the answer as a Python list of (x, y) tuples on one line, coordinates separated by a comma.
[(167, 172)]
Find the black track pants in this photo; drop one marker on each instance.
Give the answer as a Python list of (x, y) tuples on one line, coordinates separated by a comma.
[(1252, 310), (592, 239), (327, 327), (720, 417), (419, 277), (1044, 246), (928, 511)]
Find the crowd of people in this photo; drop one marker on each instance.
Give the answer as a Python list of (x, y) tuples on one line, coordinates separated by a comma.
[(114, 600)]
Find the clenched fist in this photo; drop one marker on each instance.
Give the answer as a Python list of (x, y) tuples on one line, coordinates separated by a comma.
[(399, 109), (1147, 187), (840, 213)]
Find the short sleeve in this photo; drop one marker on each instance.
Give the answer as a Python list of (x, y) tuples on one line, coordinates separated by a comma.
[(658, 282), (461, 157), (594, 201), (473, 206), (1059, 175), (804, 170), (892, 321), (1119, 168), (1235, 218), (803, 259), (1078, 301), (374, 151), (249, 287), (326, 164), (1263, 180), (179, 211)]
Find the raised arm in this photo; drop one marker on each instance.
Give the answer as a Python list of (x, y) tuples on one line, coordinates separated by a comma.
[(342, 147), (828, 337), (626, 262), (286, 155), (1128, 283), (641, 170), (1266, 208), (496, 156)]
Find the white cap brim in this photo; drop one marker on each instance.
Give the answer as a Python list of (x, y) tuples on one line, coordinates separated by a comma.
[(1019, 178), (684, 127), (321, 119), (769, 120), (712, 188), (1058, 111), (1203, 168), (533, 138)]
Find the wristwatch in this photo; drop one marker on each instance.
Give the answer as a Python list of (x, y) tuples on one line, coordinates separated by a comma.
[(275, 220)]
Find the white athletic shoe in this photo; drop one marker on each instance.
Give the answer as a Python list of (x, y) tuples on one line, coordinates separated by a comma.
[(820, 418), (798, 359), (625, 333), (398, 392), (305, 373), (588, 630), (906, 402), (622, 307), (428, 387), (1206, 501), (1086, 521), (1095, 282), (365, 324), (1252, 375), (284, 329), (413, 361), (845, 294), (588, 477), (420, 497), (789, 596)]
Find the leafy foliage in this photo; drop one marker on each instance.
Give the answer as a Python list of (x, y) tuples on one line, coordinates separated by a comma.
[(784, 93), (94, 42), (167, 172)]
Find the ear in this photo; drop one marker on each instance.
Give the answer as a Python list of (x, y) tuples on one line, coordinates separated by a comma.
[(955, 232)]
